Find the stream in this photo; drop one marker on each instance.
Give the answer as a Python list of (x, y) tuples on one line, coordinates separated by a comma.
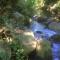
[(40, 31)]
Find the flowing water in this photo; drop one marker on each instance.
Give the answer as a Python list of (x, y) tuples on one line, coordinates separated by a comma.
[(40, 31)]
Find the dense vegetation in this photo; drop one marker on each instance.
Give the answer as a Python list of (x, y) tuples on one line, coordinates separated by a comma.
[(17, 14)]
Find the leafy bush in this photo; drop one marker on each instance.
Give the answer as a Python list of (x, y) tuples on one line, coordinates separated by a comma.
[(11, 50), (1, 21), (5, 52), (17, 51)]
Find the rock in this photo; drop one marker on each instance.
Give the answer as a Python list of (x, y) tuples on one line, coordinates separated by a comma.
[(45, 49), (27, 41), (29, 44), (54, 26), (42, 51), (55, 38)]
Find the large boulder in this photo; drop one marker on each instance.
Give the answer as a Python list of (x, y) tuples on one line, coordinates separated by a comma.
[(42, 51), (45, 50), (27, 41), (29, 44)]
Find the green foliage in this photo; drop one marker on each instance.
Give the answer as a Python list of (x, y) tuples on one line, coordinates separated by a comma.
[(30, 7), (1, 21), (3, 54), (26, 7), (16, 14), (11, 23), (48, 2), (47, 7), (11, 50), (6, 6), (17, 52)]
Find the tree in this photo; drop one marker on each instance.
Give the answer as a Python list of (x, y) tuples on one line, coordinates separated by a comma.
[(47, 7), (7, 5)]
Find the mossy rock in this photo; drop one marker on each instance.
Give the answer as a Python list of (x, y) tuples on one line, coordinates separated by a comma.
[(27, 43), (45, 49), (54, 26)]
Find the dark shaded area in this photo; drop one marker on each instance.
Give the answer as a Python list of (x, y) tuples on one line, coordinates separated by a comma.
[(55, 38), (43, 21), (50, 1), (33, 56)]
